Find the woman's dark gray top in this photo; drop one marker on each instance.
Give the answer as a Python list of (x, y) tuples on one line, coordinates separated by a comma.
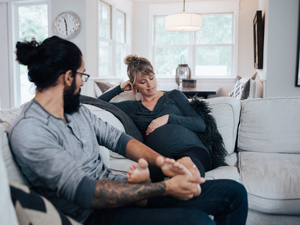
[(174, 137)]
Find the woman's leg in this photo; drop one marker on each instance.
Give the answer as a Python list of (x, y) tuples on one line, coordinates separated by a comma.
[(200, 157), (156, 173)]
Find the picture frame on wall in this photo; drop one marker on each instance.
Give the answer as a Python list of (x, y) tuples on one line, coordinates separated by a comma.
[(258, 38)]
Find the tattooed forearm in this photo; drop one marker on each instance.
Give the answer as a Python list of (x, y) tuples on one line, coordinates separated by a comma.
[(109, 194)]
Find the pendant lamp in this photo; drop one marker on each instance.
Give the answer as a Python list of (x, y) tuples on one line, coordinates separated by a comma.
[(183, 21)]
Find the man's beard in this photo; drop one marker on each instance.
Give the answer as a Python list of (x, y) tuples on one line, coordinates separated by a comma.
[(71, 100)]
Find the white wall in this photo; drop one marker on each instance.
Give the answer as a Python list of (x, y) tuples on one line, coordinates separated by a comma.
[(248, 9), (77, 6), (280, 56)]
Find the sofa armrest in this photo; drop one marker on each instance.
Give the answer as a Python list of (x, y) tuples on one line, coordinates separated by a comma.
[(7, 213)]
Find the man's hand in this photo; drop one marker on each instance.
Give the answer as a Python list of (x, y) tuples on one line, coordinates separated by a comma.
[(158, 122), (182, 187), (188, 163)]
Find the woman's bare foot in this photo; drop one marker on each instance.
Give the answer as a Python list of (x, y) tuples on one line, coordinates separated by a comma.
[(138, 172), (172, 168)]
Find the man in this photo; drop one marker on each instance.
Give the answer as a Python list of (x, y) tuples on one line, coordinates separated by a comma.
[(55, 142)]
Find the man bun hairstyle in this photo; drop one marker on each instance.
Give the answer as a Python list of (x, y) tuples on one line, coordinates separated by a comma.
[(137, 65), (48, 60), (27, 52)]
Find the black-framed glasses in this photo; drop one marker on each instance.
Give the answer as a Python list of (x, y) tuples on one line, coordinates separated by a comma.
[(84, 76)]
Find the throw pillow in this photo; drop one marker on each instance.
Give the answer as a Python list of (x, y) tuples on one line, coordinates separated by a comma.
[(104, 86), (246, 90), (97, 90), (256, 89), (238, 88), (32, 209), (126, 96)]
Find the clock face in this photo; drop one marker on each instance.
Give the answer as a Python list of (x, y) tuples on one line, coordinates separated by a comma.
[(67, 25)]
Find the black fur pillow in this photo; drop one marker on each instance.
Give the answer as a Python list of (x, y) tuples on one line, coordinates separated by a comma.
[(211, 138)]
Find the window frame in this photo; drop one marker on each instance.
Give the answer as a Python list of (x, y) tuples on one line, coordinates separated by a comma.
[(113, 39), (205, 8)]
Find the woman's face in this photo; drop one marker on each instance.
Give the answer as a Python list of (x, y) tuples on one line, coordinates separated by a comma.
[(146, 84)]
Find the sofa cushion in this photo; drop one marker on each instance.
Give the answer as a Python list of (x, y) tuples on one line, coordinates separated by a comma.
[(226, 112), (260, 218), (101, 87), (126, 96), (270, 125), (272, 181), (112, 120), (34, 209), (116, 162), (223, 172), (119, 164)]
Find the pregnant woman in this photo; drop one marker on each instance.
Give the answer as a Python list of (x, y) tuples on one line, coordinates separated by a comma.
[(167, 121)]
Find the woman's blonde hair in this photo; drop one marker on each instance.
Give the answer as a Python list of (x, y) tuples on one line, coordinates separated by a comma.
[(137, 65)]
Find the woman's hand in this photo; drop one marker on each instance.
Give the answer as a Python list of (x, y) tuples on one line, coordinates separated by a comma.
[(127, 86), (158, 122)]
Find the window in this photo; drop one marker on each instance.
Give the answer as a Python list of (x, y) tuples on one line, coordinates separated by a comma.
[(208, 52), (30, 20), (32, 23), (105, 42), (112, 41), (214, 46), (120, 44)]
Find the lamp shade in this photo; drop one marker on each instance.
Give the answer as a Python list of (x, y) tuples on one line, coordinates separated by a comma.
[(183, 22)]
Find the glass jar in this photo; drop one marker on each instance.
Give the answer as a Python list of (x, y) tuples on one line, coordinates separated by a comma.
[(182, 72)]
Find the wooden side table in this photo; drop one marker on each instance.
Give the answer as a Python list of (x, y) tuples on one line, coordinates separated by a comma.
[(191, 92)]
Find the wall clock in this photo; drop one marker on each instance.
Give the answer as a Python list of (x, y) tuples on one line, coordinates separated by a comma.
[(67, 25)]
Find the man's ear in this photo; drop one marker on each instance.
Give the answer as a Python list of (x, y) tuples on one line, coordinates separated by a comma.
[(68, 77)]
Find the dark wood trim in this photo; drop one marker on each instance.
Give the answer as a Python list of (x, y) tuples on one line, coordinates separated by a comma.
[(258, 38)]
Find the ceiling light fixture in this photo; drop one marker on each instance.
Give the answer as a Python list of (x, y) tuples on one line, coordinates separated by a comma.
[(183, 21)]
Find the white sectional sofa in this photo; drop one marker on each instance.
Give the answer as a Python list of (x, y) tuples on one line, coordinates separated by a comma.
[(261, 136)]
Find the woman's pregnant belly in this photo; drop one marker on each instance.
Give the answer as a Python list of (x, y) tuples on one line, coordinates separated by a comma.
[(172, 139)]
